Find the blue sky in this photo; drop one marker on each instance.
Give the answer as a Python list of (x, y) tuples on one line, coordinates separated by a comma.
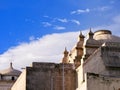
[(23, 22)]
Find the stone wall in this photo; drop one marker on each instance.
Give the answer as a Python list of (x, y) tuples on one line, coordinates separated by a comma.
[(97, 82), (47, 76), (95, 64), (6, 85)]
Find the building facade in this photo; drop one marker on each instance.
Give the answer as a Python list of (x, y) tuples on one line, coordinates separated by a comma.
[(92, 64)]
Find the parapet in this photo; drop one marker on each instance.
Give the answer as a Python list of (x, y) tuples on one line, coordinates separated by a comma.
[(46, 65)]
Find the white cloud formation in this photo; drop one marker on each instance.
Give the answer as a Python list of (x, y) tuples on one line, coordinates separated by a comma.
[(46, 24), (62, 20), (79, 11), (67, 21), (48, 48), (59, 27), (75, 21), (31, 38), (54, 22)]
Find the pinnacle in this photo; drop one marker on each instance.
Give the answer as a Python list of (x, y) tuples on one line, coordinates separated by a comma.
[(81, 35), (65, 52), (90, 32)]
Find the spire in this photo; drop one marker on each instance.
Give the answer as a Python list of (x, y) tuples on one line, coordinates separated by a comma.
[(79, 50), (11, 65), (65, 58), (90, 34), (66, 52), (81, 35), (81, 41)]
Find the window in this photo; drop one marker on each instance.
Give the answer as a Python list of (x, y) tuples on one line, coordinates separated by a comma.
[(13, 78)]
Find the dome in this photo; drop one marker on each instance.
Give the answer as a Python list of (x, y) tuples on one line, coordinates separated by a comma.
[(10, 71), (105, 36)]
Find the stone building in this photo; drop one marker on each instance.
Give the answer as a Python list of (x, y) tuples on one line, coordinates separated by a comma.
[(47, 76), (92, 64), (8, 77)]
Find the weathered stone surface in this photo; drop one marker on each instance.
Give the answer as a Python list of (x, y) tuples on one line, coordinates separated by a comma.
[(99, 82), (48, 76)]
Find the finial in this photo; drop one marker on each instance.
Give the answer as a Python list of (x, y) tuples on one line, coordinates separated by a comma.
[(65, 58), (81, 35), (90, 32), (11, 65), (65, 52)]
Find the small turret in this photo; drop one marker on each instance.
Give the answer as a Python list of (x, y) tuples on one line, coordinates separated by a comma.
[(79, 46), (90, 34), (90, 45), (65, 58), (81, 36), (79, 50)]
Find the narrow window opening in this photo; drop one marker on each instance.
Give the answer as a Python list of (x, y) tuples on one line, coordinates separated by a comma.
[(13, 78)]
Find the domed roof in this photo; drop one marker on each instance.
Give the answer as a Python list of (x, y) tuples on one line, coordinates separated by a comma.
[(105, 36), (10, 71)]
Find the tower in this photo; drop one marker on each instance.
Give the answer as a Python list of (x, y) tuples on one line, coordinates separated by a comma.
[(79, 50)]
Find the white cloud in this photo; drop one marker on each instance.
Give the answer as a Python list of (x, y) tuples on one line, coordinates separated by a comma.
[(48, 48), (59, 28), (31, 38), (55, 25), (75, 21), (46, 24), (79, 11), (62, 20)]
